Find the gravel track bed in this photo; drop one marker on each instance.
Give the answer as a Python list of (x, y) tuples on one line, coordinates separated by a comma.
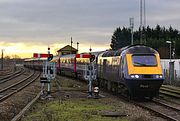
[(13, 105), (5, 71), (70, 90), (16, 79), (9, 71), (171, 102)]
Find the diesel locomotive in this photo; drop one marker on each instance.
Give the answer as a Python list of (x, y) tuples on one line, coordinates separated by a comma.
[(134, 71)]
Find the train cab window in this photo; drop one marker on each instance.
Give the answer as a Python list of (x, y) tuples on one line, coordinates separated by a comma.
[(144, 60)]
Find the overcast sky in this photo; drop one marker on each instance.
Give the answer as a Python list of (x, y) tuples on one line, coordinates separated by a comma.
[(39, 23)]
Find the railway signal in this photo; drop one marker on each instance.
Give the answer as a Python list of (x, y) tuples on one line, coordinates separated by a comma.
[(50, 57), (92, 58), (49, 71)]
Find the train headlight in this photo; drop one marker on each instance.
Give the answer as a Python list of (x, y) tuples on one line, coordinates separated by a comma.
[(157, 76), (137, 76), (132, 76)]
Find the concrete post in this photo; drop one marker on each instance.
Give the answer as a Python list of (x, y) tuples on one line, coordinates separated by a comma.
[(171, 72)]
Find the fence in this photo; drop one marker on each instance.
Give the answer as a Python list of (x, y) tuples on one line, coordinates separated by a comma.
[(165, 66)]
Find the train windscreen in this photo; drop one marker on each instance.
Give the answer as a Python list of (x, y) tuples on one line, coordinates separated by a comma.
[(144, 60)]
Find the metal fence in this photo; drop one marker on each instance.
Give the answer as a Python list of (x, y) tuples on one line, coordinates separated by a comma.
[(166, 71)]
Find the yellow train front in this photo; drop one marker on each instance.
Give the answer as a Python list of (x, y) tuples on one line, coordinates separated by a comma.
[(143, 72), (134, 70)]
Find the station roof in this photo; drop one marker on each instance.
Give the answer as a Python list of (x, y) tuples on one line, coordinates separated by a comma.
[(67, 48)]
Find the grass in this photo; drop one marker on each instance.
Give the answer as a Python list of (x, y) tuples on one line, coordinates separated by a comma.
[(77, 107), (71, 110)]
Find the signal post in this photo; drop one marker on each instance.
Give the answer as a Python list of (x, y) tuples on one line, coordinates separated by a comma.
[(49, 72), (91, 76)]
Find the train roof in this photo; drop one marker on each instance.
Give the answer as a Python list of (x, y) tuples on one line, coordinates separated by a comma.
[(34, 59), (55, 58), (68, 56), (132, 49), (95, 53), (140, 49)]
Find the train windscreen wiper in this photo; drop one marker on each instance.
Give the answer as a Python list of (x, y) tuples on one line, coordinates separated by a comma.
[(140, 64)]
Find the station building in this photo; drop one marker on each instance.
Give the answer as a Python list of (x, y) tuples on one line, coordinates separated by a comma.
[(67, 50)]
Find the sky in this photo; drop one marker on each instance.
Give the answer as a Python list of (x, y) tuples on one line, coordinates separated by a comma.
[(30, 26)]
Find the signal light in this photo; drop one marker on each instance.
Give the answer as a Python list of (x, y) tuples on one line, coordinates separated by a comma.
[(50, 57), (92, 58)]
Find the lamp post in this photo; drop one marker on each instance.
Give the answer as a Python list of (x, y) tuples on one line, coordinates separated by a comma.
[(131, 20), (169, 42), (171, 65)]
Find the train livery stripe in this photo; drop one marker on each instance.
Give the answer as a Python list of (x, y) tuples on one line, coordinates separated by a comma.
[(143, 70), (83, 55)]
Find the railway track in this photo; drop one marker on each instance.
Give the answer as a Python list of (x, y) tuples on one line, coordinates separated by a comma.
[(16, 87), (6, 72), (11, 76), (170, 91), (163, 110)]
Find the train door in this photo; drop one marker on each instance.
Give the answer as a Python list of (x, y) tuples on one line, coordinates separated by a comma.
[(104, 67), (100, 68), (122, 67)]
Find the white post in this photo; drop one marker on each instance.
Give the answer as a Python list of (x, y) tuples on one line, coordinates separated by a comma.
[(49, 86), (90, 80)]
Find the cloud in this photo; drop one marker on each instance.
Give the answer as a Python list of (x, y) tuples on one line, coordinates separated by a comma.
[(89, 22)]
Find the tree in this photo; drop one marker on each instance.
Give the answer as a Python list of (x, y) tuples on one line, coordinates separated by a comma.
[(15, 56), (120, 38), (155, 38)]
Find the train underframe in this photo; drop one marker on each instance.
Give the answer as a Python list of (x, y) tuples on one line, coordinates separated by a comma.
[(132, 89), (144, 88)]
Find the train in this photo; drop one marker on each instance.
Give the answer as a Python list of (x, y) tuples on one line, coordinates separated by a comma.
[(133, 71)]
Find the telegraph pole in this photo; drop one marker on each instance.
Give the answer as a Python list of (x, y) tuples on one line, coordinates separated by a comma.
[(142, 22), (2, 59), (144, 13), (71, 45), (77, 46)]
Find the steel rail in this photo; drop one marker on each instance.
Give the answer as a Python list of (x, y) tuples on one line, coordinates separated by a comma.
[(19, 89), (5, 79), (158, 112)]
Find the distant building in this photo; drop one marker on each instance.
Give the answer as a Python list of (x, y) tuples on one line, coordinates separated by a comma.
[(67, 50)]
